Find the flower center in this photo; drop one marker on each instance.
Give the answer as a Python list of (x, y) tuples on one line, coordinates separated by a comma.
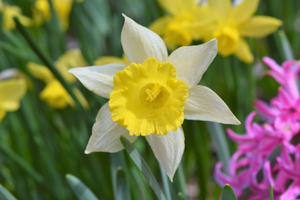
[(147, 98), (153, 92), (154, 95), (228, 38)]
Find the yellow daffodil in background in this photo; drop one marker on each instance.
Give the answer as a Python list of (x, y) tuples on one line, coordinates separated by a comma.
[(9, 12), (62, 8), (11, 92), (152, 95), (232, 24), (186, 22), (54, 93), (110, 59)]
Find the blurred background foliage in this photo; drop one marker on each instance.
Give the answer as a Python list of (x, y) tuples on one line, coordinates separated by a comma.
[(39, 145)]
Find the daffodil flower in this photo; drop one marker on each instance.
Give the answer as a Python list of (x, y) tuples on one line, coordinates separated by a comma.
[(11, 92), (232, 24), (186, 22), (54, 93), (9, 12), (62, 8), (152, 95)]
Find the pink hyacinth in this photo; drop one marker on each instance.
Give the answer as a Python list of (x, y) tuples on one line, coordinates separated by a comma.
[(250, 165), (285, 75)]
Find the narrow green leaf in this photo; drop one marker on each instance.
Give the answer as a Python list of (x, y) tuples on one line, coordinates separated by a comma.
[(227, 193), (47, 61), (219, 140), (181, 180), (271, 196), (5, 195), (22, 163), (287, 49), (123, 192), (81, 191), (142, 165), (165, 180)]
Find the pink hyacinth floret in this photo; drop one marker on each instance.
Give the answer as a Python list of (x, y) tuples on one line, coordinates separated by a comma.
[(269, 153)]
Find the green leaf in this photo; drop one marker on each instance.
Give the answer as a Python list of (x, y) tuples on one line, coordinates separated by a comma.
[(165, 180), (5, 195), (220, 142), (227, 193), (142, 165), (271, 196), (123, 192), (287, 49), (80, 189)]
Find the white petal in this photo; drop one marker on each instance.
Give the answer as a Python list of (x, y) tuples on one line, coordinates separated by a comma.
[(98, 79), (106, 133), (168, 149), (192, 61), (204, 104), (140, 43)]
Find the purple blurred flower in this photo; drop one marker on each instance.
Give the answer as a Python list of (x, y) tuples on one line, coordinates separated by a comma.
[(250, 165)]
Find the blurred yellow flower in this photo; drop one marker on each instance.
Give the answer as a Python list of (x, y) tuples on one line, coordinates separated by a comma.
[(62, 8), (11, 92), (9, 12), (186, 22), (104, 60), (232, 24), (54, 93)]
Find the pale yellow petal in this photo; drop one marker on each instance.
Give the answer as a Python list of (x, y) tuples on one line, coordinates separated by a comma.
[(140, 43), (40, 72), (204, 104), (220, 8), (63, 9), (243, 51), (244, 11), (2, 114), (202, 13), (159, 25), (10, 105), (201, 29), (104, 60), (259, 26), (98, 79), (11, 92), (191, 62), (71, 59), (168, 150), (176, 6), (55, 95), (106, 133), (9, 12)]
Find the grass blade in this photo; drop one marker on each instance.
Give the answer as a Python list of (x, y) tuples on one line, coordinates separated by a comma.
[(165, 180), (81, 191), (227, 193), (123, 192), (220, 142), (142, 165), (5, 195), (287, 49)]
